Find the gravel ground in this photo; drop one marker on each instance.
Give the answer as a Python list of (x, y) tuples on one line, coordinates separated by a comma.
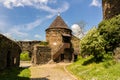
[(56, 71), (25, 64), (51, 72)]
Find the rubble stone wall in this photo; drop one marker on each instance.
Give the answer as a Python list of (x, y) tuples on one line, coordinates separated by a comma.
[(9, 53), (41, 55), (111, 8)]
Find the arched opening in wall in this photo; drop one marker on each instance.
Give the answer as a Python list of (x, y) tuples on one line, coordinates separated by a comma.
[(25, 59), (75, 57), (25, 56)]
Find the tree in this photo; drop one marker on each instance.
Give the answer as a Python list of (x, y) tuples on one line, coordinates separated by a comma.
[(102, 41), (110, 30), (93, 44)]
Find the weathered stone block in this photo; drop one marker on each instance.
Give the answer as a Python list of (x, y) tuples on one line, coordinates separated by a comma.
[(41, 55)]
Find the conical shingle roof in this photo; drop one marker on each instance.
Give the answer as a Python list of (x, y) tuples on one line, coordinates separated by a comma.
[(58, 23)]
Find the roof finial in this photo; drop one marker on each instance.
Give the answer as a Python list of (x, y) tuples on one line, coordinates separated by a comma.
[(58, 13)]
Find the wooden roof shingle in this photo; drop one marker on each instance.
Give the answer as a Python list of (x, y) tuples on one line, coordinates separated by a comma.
[(58, 23)]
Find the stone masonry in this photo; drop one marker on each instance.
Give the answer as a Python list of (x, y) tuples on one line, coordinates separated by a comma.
[(60, 40), (110, 8), (28, 45), (41, 55), (9, 53), (62, 45)]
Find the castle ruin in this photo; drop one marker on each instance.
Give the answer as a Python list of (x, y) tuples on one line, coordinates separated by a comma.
[(9, 53), (62, 45)]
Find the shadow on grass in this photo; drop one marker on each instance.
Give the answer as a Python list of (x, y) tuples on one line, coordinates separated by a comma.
[(89, 61), (92, 60), (12, 74), (44, 78)]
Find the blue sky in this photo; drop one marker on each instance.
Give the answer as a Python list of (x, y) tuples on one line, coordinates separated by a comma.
[(28, 19)]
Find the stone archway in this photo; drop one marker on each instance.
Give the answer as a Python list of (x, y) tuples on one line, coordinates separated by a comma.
[(28, 46), (25, 56)]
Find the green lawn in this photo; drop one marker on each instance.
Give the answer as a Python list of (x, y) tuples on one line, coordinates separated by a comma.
[(15, 74), (108, 70)]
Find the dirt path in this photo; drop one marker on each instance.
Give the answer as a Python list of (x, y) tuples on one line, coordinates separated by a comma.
[(25, 64), (50, 72)]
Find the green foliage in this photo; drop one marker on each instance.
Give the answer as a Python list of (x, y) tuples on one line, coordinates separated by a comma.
[(15, 74), (110, 30), (24, 56), (93, 44), (24, 73), (101, 42), (108, 70), (43, 43)]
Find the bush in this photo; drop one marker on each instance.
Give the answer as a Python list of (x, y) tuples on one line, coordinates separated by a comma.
[(110, 30), (102, 40), (24, 56), (93, 44), (43, 43)]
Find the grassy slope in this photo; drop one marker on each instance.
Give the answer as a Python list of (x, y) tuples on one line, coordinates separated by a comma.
[(15, 74), (109, 70)]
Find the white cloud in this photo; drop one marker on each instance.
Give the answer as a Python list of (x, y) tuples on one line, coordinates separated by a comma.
[(18, 30), (29, 26), (95, 3), (38, 4), (26, 40), (3, 25), (15, 32), (77, 30), (21, 30), (64, 7), (32, 25), (20, 3), (37, 36), (8, 35)]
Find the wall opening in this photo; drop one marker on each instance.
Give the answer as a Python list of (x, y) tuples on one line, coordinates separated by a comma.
[(62, 57), (8, 58), (25, 56), (66, 39)]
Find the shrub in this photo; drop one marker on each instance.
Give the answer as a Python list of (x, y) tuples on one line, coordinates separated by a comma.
[(43, 43), (24, 56)]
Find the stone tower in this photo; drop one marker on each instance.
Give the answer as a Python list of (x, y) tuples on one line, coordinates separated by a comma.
[(110, 8), (58, 35)]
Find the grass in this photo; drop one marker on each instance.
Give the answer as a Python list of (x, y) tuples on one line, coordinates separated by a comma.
[(108, 70), (15, 74)]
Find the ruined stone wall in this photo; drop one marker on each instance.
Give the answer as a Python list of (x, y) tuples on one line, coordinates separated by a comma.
[(41, 55), (110, 8), (28, 45), (75, 44), (117, 54), (9, 53)]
